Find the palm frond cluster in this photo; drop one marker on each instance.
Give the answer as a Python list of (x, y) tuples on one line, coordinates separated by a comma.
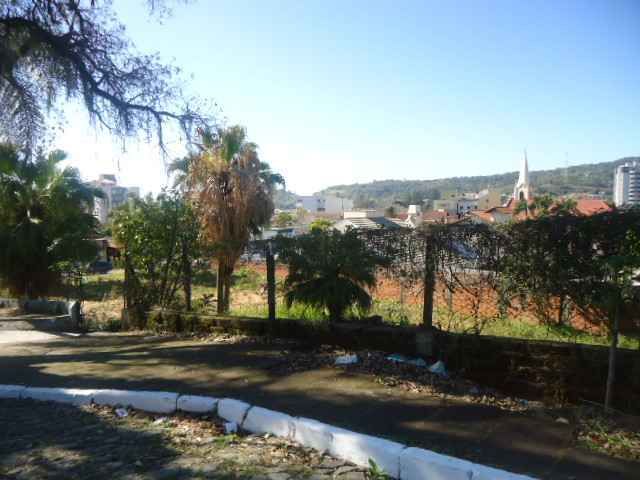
[(46, 219), (232, 193)]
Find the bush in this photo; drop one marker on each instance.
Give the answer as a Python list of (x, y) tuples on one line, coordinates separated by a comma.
[(329, 270)]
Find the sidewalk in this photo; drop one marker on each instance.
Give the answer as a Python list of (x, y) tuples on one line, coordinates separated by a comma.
[(484, 434)]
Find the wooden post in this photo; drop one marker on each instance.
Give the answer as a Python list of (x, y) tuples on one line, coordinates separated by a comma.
[(271, 282), (429, 283), (611, 375)]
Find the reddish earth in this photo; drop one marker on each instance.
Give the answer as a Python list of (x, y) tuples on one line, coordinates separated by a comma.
[(476, 300)]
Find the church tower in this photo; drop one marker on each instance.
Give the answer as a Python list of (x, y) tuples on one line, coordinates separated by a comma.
[(522, 190)]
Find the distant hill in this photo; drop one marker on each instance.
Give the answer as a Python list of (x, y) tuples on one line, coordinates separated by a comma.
[(594, 178), (284, 199)]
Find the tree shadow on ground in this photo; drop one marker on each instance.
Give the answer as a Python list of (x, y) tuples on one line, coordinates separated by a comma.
[(481, 433), (55, 441)]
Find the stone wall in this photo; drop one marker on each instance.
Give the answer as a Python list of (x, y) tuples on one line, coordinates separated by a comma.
[(49, 315)]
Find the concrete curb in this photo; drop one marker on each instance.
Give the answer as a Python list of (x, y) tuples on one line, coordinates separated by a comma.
[(397, 460), (196, 404)]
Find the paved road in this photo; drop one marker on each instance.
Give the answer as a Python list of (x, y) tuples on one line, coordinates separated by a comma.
[(526, 444), (17, 337)]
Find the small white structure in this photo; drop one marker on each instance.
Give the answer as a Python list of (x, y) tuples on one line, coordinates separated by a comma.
[(414, 216), (366, 220), (626, 184), (328, 204)]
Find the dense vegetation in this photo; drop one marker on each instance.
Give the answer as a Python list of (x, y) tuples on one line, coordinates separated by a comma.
[(590, 178), (45, 221), (160, 245)]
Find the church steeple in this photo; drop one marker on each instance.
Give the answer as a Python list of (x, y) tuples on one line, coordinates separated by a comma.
[(522, 190)]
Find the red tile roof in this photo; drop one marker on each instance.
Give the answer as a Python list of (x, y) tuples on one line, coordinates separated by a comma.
[(589, 206)]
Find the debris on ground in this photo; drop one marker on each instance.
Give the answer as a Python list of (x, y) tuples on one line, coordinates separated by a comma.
[(46, 440), (230, 427), (412, 374), (346, 359), (439, 369), (399, 358), (121, 412), (616, 435)]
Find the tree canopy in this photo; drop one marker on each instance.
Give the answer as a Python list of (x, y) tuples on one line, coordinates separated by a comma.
[(160, 241), (77, 49), (232, 191)]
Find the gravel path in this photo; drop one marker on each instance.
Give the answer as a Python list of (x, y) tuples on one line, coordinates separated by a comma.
[(41, 440)]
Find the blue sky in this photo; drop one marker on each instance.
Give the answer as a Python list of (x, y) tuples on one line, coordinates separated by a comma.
[(352, 91)]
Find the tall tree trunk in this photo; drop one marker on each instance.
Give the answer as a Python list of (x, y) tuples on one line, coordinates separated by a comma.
[(187, 273), (227, 289), (220, 287), (271, 283), (611, 376)]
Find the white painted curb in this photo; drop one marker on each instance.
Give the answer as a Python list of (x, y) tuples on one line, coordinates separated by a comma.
[(313, 434), (196, 404), (261, 420), (11, 391), (157, 402), (232, 410), (62, 395), (419, 464), (358, 448), (397, 460)]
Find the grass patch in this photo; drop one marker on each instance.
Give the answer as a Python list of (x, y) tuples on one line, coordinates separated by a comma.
[(299, 312), (558, 333), (99, 287)]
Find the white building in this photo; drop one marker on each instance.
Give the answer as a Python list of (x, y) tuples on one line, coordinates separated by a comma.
[(114, 196), (328, 204), (626, 184), (522, 190), (463, 203), (366, 220)]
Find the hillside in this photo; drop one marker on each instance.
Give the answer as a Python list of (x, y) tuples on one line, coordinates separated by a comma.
[(588, 178), (284, 199)]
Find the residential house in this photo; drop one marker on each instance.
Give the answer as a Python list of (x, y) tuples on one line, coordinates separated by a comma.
[(327, 204)]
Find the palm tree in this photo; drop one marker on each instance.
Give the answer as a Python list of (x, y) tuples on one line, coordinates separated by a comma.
[(45, 220), (233, 195), (329, 270)]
